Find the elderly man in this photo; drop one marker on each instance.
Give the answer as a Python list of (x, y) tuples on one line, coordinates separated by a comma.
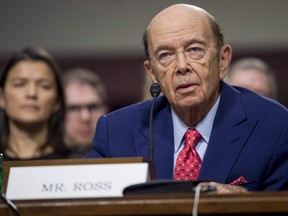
[(241, 138)]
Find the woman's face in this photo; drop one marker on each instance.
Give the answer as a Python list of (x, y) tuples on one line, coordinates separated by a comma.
[(30, 93)]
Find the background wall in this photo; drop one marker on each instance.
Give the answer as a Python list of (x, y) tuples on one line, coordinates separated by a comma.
[(105, 35)]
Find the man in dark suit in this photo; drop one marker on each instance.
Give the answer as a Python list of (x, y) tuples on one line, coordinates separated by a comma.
[(243, 137)]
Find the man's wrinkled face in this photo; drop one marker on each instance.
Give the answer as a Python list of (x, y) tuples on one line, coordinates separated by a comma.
[(184, 59)]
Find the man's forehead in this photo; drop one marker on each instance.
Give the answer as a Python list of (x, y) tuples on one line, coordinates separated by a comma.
[(177, 13), (177, 19), (180, 31)]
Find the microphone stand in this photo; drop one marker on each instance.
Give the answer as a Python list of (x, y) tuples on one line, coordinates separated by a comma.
[(155, 90)]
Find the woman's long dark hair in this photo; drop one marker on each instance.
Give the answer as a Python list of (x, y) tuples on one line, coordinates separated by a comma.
[(56, 120)]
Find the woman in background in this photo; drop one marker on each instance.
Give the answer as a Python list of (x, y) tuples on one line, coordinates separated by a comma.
[(32, 108)]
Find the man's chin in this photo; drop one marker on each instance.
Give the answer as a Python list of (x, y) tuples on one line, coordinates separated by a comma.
[(84, 143), (189, 102)]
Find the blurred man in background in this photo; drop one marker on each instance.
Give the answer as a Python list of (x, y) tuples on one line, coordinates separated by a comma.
[(85, 103), (253, 74)]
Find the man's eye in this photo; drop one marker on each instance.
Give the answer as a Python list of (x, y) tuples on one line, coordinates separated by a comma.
[(93, 107), (165, 55), (73, 108), (194, 50)]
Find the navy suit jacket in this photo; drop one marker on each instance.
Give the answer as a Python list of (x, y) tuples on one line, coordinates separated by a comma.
[(249, 138)]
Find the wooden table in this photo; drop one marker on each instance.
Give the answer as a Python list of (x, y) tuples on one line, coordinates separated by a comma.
[(267, 203)]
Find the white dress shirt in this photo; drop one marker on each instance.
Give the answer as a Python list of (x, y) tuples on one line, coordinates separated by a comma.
[(204, 127)]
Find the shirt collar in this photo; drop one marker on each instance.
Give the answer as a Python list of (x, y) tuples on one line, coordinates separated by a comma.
[(204, 127)]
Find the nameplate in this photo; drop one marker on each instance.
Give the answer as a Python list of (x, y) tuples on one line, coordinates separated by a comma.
[(74, 181)]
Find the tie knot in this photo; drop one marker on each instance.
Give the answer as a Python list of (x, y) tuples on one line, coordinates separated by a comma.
[(192, 136)]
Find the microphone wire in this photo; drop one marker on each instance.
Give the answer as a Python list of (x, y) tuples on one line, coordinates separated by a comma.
[(198, 189), (10, 205), (196, 200)]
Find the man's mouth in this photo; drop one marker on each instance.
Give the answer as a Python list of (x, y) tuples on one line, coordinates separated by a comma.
[(186, 88)]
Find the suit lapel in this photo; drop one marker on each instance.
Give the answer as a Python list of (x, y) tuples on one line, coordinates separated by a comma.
[(230, 131), (163, 139)]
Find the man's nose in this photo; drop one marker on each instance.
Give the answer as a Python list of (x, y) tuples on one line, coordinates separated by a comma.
[(85, 113), (182, 63)]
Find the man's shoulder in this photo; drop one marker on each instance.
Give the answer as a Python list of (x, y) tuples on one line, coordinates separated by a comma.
[(141, 109), (260, 105), (253, 98), (137, 108)]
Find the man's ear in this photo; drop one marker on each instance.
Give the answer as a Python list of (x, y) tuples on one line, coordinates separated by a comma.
[(148, 68), (224, 60)]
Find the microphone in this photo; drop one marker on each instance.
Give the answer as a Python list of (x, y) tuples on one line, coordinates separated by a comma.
[(155, 90)]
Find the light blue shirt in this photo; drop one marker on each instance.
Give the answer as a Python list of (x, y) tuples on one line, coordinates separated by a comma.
[(204, 127)]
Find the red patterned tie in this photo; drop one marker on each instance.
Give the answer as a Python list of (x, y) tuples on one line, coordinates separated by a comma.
[(188, 163)]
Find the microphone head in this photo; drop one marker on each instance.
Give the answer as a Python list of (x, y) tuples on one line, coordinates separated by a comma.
[(155, 89)]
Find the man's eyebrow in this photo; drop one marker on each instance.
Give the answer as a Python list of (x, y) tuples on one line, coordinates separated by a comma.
[(186, 43), (193, 41), (162, 47)]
